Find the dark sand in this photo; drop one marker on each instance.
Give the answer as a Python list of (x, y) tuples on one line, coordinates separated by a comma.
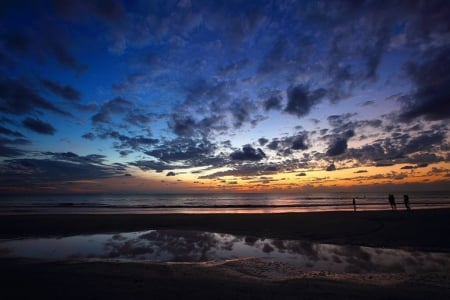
[(244, 279)]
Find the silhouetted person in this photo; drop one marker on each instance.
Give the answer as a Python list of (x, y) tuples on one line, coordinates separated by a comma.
[(406, 201), (392, 202), (354, 204)]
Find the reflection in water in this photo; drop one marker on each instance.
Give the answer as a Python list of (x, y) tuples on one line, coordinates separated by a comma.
[(198, 246)]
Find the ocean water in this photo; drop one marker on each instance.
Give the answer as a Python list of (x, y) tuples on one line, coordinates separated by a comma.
[(214, 203)]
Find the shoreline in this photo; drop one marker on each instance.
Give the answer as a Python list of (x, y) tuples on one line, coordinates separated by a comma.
[(417, 229)]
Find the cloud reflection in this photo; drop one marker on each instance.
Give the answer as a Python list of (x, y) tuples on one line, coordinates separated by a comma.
[(198, 246)]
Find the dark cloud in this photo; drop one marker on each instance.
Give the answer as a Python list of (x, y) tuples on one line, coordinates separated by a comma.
[(18, 98), (117, 105), (360, 171), (301, 99), (6, 131), (299, 142), (340, 120), (274, 102), (242, 110), (187, 126), (248, 153), (211, 95), (368, 103), (170, 173), (185, 152), (273, 145), (233, 67), (8, 147), (66, 91), (131, 82), (73, 157), (7, 151), (53, 170), (331, 167), (424, 142), (432, 81), (276, 57), (407, 167), (301, 174), (17, 42), (39, 126), (111, 10), (373, 51), (262, 141), (89, 136), (184, 126), (284, 146), (137, 142), (158, 166), (66, 59), (337, 147)]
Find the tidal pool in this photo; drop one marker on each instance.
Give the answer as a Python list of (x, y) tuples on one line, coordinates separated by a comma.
[(198, 246)]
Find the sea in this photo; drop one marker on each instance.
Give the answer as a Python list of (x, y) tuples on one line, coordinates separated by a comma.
[(214, 203)]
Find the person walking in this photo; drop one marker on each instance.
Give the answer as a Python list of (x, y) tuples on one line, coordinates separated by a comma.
[(406, 201)]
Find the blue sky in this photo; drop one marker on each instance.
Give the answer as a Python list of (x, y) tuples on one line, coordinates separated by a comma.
[(157, 96)]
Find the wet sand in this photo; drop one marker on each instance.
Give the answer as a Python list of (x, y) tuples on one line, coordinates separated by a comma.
[(420, 229), (241, 279)]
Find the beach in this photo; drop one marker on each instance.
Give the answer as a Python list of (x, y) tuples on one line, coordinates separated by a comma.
[(421, 230)]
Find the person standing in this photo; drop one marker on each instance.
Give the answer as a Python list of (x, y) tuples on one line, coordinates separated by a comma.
[(406, 201), (392, 202), (354, 204)]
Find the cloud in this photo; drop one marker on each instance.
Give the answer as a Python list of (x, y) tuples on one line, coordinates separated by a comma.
[(6, 131), (432, 81), (299, 142), (424, 142), (117, 105), (158, 166), (55, 169), (66, 59), (170, 173), (233, 67), (67, 92), (275, 57), (18, 98), (285, 145), (137, 142), (262, 141), (39, 126), (331, 167), (337, 147), (248, 153), (183, 126), (187, 126), (241, 109), (301, 99), (185, 152), (89, 136), (274, 101), (339, 121), (111, 10), (8, 147), (245, 170), (17, 41)]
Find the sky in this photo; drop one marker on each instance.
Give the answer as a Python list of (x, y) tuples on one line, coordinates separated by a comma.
[(235, 96)]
